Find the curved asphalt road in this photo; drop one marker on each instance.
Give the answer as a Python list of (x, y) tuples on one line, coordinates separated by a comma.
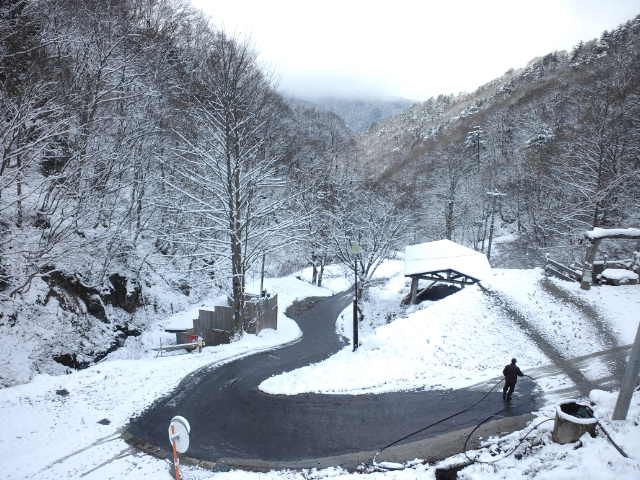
[(233, 423)]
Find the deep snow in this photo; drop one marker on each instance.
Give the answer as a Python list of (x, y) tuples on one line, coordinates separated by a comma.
[(41, 427), (49, 435), (461, 340)]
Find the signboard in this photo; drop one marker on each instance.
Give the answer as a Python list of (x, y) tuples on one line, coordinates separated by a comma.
[(179, 430)]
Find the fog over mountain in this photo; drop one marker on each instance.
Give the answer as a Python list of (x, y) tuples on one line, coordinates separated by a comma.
[(359, 114)]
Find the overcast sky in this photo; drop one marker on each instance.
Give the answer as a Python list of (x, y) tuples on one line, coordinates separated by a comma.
[(407, 48)]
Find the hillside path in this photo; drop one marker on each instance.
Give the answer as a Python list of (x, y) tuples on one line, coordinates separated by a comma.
[(613, 355), (604, 331), (235, 424)]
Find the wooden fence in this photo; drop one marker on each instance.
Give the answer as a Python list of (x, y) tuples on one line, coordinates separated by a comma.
[(260, 313), (552, 267), (216, 326), (574, 272)]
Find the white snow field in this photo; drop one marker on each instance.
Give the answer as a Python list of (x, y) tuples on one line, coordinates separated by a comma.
[(41, 427), (50, 426), (457, 341), (461, 340)]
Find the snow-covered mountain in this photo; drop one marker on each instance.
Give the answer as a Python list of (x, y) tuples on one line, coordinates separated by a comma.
[(360, 114), (558, 137)]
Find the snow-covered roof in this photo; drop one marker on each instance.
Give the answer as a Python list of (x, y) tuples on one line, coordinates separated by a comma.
[(597, 233), (445, 255), (619, 274)]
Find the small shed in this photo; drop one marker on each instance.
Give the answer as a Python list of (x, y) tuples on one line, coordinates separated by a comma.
[(443, 261), (215, 323)]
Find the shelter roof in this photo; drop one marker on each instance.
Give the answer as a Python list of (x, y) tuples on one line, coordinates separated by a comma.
[(442, 255)]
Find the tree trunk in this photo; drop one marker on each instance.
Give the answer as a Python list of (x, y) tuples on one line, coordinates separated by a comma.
[(19, 192), (493, 217), (323, 259), (314, 272), (448, 220)]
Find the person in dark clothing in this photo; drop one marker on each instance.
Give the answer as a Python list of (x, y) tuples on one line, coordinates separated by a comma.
[(511, 373)]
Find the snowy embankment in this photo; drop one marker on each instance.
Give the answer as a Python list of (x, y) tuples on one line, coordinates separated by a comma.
[(539, 457), (50, 321), (461, 340), (572, 331), (569, 329), (458, 341), (56, 416), (619, 304)]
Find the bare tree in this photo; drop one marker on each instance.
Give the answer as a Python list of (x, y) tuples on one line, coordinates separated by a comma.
[(372, 221), (231, 196)]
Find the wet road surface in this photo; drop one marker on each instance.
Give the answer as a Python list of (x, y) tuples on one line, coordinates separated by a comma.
[(232, 422)]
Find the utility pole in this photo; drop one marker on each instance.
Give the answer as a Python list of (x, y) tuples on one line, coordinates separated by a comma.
[(262, 277), (494, 197), (355, 250), (628, 381)]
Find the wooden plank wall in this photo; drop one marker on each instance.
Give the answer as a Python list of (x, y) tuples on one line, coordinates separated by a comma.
[(216, 326)]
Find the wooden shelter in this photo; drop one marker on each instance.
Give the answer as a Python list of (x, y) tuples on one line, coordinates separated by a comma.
[(596, 236), (216, 325), (443, 261)]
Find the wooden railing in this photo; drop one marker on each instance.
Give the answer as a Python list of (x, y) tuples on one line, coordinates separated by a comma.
[(552, 267)]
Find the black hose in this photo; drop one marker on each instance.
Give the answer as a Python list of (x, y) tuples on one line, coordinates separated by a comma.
[(510, 452), (464, 410), (617, 447)]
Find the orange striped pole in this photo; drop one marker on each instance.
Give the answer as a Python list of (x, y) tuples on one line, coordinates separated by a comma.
[(176, 460)]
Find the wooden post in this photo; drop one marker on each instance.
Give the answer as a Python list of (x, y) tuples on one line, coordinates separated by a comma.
[(587, 269), (628, 381), (414, 290)]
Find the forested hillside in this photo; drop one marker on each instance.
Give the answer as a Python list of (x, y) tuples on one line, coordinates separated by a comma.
[(548, 151), (145, 159)]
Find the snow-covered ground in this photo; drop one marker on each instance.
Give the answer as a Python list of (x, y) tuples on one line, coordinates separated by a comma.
[(571, 331), (461, 340), (51, 425), (540, 458), (54, 417)]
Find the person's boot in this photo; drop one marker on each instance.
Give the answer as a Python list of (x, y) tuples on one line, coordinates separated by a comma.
[(504, 396)]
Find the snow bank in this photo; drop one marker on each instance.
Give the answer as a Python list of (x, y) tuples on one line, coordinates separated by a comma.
[(562, 325), (455, 342), (539, 457), (55, 416), (619, 305), (621, 275)]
